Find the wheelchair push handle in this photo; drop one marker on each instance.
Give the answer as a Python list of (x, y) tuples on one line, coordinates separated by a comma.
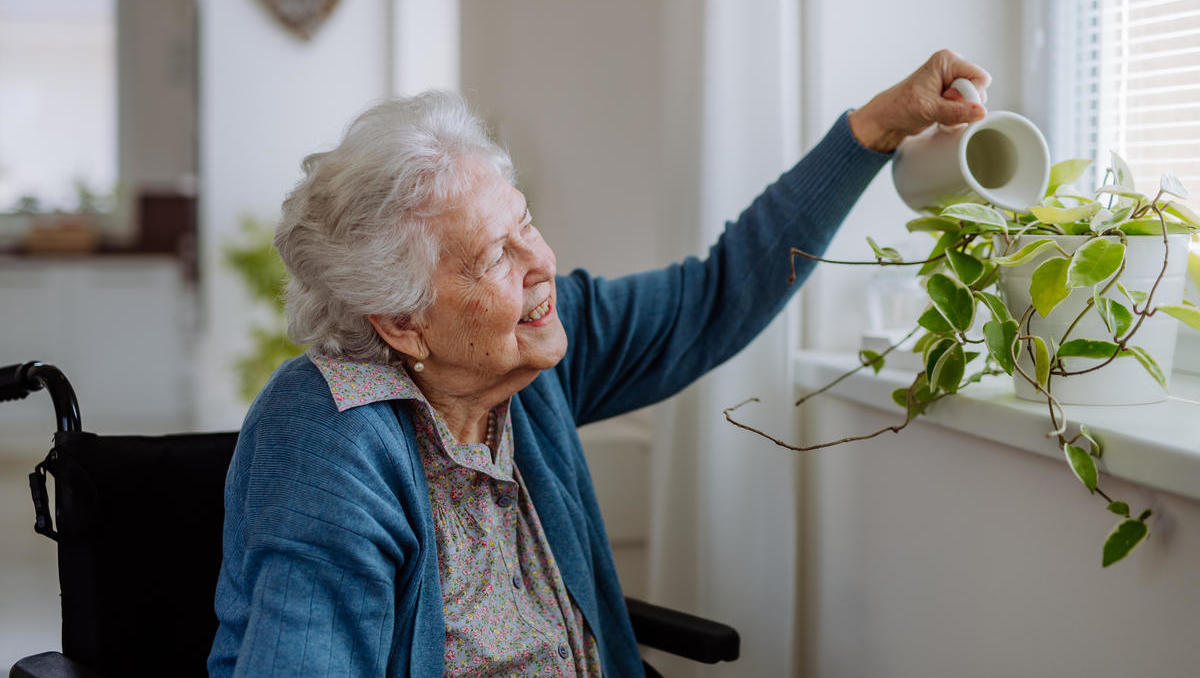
[(18, 381), (12, 382)]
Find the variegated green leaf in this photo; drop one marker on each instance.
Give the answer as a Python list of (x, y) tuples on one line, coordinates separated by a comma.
[(933, 353), (1121, 172), (944, 242), (884, 253), (933, 321), (1136, 297), (871, 359), (1093, 439), (1065, 172), (995, 305), (1026, 253), (1041, 361), (966, 267), (933, 224), (1001, 339), (1152, 226), (949, 369), (1183, 212), (1122, 191), (1143, 356), (1083, 465), (1048, 286), (1065, 215), (921, 344), (1116, 317), (1188, 315), (1104, 219), (977, 214), (1094, 262), (1169, 183), (1087, 348), (1122, 540), (953, 300)]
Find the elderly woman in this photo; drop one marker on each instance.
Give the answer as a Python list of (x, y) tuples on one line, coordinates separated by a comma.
[(410, 497)]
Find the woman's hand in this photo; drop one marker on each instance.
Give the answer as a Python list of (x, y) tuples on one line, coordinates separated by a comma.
[(921, 99)]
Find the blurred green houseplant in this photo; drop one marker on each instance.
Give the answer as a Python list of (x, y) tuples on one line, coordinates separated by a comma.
[(254, 258)]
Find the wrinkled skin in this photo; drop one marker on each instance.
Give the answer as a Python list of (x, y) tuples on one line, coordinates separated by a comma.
[(477, 344), (918, 101)]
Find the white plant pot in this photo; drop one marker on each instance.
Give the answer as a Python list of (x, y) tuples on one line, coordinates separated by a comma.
[(1123, 381)]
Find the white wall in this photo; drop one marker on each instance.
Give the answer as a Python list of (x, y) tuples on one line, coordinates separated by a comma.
[(267, 99), (854, 49), (939, 555), (574, 91)]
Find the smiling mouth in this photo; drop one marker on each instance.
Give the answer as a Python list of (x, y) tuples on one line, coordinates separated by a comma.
[(537, 313)]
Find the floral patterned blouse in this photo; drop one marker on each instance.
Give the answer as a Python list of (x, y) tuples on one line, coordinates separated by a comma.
[(506, 609)]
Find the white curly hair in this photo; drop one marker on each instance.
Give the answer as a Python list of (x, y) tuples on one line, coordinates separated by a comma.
[(357, 234)]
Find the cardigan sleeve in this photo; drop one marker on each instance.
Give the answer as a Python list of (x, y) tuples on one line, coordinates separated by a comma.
[(311, 617), (641, 338), (314, 544)]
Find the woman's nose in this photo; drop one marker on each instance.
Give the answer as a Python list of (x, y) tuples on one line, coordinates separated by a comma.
[(541, 262)]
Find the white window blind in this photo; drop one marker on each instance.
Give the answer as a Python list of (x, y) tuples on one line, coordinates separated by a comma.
[(1122, 76), (1137, 87)]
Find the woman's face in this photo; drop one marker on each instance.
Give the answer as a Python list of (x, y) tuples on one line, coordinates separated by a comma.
[(495, 321)]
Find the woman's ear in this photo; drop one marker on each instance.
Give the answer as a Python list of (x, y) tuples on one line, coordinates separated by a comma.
[(401, 333)]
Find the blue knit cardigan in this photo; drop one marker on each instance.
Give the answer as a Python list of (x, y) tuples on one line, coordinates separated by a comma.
[(330, 559)]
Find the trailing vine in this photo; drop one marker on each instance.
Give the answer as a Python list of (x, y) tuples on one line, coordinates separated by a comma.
[(975, 242)]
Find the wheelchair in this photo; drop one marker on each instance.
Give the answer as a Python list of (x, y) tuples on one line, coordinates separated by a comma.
[(138, 520)]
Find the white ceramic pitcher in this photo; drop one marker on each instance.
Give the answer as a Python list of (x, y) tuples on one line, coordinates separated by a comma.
[(1002, 159)]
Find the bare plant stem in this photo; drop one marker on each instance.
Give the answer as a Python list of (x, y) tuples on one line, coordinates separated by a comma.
[(795, 252), (895, 428), (839, 380)]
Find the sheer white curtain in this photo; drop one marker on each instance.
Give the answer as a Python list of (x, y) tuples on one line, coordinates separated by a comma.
[(725, 503)]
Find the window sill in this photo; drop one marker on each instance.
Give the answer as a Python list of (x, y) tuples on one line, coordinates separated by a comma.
[(1155, 445)]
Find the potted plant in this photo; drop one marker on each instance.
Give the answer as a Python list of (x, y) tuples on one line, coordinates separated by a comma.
[(1062, 296)]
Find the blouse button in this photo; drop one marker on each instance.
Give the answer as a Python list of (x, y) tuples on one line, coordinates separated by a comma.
[(563, 651), (504, 501), (516, 580)]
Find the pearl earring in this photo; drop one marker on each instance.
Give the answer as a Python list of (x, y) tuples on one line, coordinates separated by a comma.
[(418, 366)]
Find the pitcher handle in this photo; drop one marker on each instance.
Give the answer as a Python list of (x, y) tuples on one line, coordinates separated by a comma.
[(967, 89)]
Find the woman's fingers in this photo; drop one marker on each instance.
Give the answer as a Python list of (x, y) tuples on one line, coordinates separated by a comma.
[(923, 98), (945, 104), (951, 66), (949, 112)]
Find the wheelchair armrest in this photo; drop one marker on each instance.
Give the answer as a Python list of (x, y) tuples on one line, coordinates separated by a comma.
[(50, 665), (682, 634)]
